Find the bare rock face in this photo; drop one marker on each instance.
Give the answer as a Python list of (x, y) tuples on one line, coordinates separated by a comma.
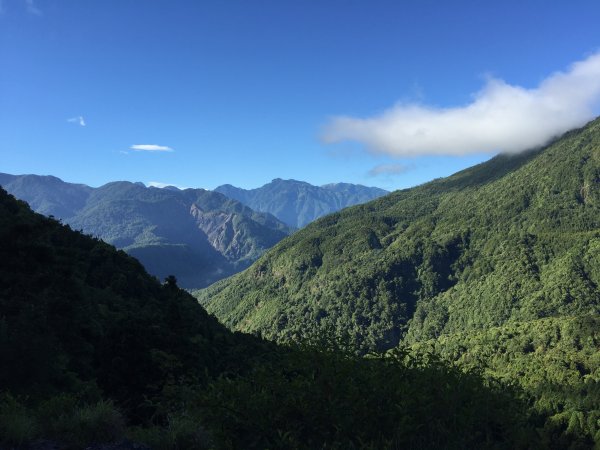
[(220, 231), (197, 235)]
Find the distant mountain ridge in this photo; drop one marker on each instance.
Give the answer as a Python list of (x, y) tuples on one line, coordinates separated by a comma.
[(47, 194), (298, 203), (200, 236)]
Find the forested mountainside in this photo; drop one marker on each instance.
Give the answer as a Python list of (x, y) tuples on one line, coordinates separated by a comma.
[(197, 235), (95, 350), (497, 266), (298, 203)]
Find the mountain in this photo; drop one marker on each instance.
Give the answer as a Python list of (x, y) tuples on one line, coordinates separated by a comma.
[(297, 203), (94, 350), (510, 239), (77, 315), (496, 267), (47, 195), (197, 235)]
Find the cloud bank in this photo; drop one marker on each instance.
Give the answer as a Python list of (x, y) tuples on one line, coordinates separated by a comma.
[(78, 120), (501, 117), (151, 148)]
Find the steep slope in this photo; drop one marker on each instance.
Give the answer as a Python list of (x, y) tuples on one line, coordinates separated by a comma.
[(90, 342), (76, 315), (462, 265), (197, 235), (511, 239), (297, 203)]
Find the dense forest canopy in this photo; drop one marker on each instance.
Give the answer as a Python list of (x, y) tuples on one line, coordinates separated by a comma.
[(95, 350), (492, 267)]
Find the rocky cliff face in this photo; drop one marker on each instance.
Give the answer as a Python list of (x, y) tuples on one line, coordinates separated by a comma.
[(199, 236)]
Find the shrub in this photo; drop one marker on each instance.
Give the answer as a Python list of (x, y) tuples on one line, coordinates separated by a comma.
[(17, 426)]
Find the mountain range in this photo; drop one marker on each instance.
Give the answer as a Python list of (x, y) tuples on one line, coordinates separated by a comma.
[(297, 203), (98, 354), (197, 235), (475, 299), (495, 267)]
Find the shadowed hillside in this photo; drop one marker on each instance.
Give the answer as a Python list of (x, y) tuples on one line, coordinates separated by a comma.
[(95, 350), (200, 236)]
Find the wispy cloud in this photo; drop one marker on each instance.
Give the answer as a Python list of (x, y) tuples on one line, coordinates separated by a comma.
[(501, 117), (388, 169), (150, 148), (32, 8), (2, 10), (78, 120)]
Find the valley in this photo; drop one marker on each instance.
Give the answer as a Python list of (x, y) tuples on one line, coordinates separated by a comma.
[(197, 235), (341, 225)]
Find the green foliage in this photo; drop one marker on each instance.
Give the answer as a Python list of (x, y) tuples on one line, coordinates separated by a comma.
[(509, 243), (317, 398), (78, 316), (182, 432), (17, 426), (452, 254), (199, 235), (64, 420), (96, 423), (554, 360), (513, 239), (91, 344), (61, 418)]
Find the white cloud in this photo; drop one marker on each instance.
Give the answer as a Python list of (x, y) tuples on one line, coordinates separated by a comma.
[(32, 9), (501, 117), (159, 184), (78, 120), (388, 169), (151, 148)]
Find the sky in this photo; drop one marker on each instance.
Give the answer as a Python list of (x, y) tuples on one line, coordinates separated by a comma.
[(199, 93)]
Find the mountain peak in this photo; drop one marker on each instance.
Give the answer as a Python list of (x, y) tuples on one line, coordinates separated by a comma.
[(159, 226), (298, 203)]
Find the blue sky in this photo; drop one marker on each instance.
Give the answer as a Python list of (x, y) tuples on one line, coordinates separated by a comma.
[(382, 93)]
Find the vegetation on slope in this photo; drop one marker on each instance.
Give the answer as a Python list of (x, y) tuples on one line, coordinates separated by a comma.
[(94, 349), (78, 316), (556, 360), (200, 236), (515, 240)]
